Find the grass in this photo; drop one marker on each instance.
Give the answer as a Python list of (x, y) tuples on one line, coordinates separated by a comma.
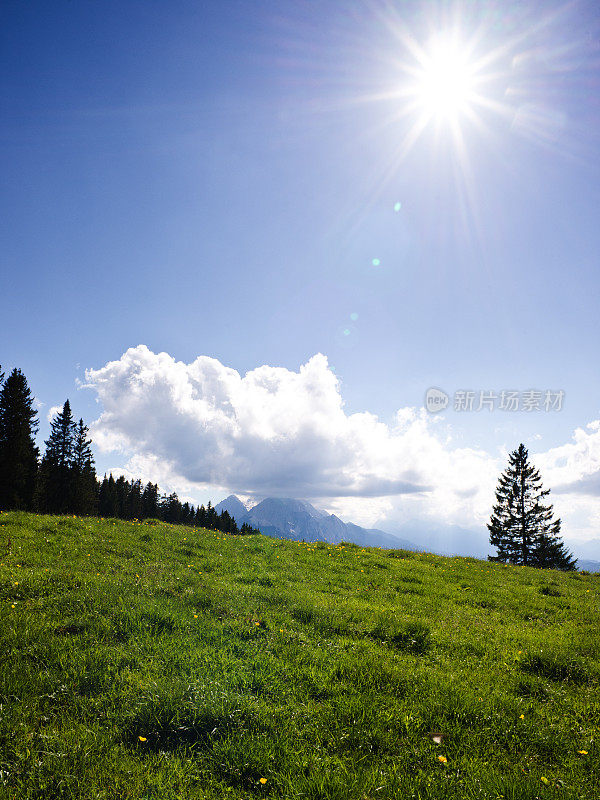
[(151, 661)]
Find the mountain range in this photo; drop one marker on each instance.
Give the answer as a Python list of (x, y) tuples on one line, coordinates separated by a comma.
[(288, 518)]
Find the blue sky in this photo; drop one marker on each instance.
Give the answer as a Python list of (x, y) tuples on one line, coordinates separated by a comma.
[(216, 179)]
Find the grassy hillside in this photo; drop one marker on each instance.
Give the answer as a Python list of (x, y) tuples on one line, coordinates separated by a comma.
[(150, 661)]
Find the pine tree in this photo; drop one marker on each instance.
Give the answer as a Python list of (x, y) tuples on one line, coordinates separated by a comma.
[(521, 527), (134, 508), (85, 485), (187, 514), (211, 520), (103, 497), (122, 492), (226, 523), (18, 452), (172, 509), (57, 470), (107, 500), (200, 520), (150, 507)]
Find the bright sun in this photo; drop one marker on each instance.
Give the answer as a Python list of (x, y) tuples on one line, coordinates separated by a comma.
[(444, 85)]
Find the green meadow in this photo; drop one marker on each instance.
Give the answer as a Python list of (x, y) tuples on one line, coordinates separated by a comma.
[(143, 660)]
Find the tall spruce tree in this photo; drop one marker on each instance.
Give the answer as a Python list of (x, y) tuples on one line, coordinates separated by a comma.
[(57, 470), (150, 505), (522, 528), (122, 493), (107, 498), (172, 509), (85, 485), (18, 452), (135, 507)]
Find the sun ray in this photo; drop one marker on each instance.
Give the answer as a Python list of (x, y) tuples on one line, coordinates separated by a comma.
[(447, 81)]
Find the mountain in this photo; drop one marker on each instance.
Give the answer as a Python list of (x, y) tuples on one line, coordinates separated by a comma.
[(295, 519), (286, 518), (234, 507), (588, 565), (366, 537)]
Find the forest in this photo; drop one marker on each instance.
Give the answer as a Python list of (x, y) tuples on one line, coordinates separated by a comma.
[(63, 479)]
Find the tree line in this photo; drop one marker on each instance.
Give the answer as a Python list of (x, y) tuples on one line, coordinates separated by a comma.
[(64, 481), (522, 526)]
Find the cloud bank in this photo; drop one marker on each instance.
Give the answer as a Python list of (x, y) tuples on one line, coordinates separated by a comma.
[(274, 431)]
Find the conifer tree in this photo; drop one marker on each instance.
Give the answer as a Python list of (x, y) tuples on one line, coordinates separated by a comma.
[(211, 520), (103, 497), (226, 523), (522, 528), (150, 508), (107, 500), (134, 508), (187, 514), (248, 529), (57, 470), (172, 508), (85, 485), (18, 452), (122, 492), (200, 520)]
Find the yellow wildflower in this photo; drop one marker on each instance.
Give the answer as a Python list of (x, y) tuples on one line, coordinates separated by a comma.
[(582, 752), (263, 780), (142, 738), (443, 759)]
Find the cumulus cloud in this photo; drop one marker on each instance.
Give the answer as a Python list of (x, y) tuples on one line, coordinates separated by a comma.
[(52, 412), (590, 484), (274, 431), (574, 467)]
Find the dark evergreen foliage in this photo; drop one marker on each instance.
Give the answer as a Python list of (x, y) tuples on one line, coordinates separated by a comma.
[(56, 490), (85, 485), (107, 500), (125, 499), (150, 506), (18, 452), (66, 483), (172, 509), (134, 506), (522, 528)]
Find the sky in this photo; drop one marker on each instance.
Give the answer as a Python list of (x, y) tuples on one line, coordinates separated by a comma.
[(245, 239)]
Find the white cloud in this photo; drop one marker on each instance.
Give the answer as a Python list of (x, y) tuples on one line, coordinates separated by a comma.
[(52, 412), (279, 432), (575, 467)]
